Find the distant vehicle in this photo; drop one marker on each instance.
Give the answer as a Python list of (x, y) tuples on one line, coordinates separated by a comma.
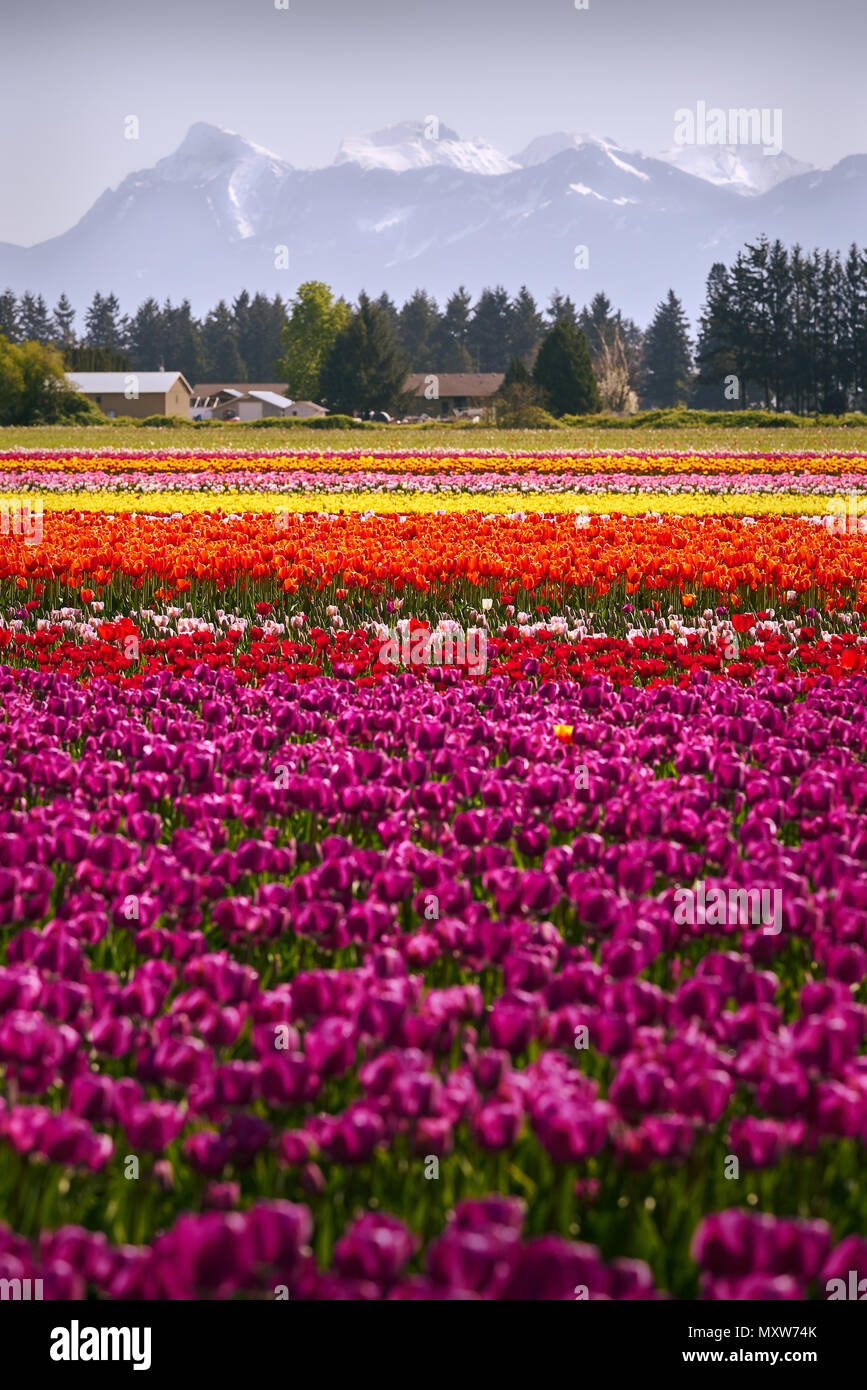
[(382, 417)]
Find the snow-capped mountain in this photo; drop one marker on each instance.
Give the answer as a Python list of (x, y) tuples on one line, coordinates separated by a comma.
[(744, 168), (399, 210), (420, 144), (239, 179), (544, 147)]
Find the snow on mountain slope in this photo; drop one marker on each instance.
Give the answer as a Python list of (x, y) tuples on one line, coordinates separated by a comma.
[(419, 145), (745, 168), (239, 177), (545, 147)]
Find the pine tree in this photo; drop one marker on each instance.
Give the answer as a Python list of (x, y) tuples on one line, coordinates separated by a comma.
[(564, 372), (104, 326), (242, 332), (391, 311), (597, 324), (365, 370), (9, 319), (223, 360), (517, 373), (63, 323), (147, 334), (526, 327), (667, 355), (182, 342), (452, 335), (34, 320), (260, 344), (418, 322), (714, 387), (560, 307), (489, 330), (778, 299), (832, 400), (855, 325)]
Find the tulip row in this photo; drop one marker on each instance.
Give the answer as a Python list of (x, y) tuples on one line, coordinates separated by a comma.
[(651, 650), (143, 483), (275, 506), (412, 461), (449, 557)]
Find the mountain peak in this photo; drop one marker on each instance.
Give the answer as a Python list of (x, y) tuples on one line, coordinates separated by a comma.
[(420, 145), (545, 147), (429, 129), (207, 148)]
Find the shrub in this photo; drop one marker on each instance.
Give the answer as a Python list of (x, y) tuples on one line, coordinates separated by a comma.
[(680, 417), (80, 410), (528, 417)]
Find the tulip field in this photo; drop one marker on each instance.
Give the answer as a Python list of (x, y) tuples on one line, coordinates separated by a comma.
[(333, 967)]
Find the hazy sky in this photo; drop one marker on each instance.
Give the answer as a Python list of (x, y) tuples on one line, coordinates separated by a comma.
[(298, 79)]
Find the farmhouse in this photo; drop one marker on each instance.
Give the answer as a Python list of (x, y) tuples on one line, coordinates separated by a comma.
[(256, 405), (247, 400), (455, 391), (137, 394)]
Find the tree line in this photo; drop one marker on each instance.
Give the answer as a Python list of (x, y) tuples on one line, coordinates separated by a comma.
[(237, 342), (789, 326), (246, 339), (780, 329)]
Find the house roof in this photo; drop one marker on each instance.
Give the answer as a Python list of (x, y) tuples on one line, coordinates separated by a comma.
[(456, 383), (269, 398), (116, 383), (213, 388)]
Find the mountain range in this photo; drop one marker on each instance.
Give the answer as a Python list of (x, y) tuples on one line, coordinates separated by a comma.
[(416, 206)]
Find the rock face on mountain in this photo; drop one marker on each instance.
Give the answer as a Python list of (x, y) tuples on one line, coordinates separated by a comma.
[(416, 205)]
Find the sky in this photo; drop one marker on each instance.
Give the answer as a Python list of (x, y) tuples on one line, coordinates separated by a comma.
[(300, 78)]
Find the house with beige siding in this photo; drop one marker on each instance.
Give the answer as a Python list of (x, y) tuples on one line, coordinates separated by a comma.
[(136, 394)]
